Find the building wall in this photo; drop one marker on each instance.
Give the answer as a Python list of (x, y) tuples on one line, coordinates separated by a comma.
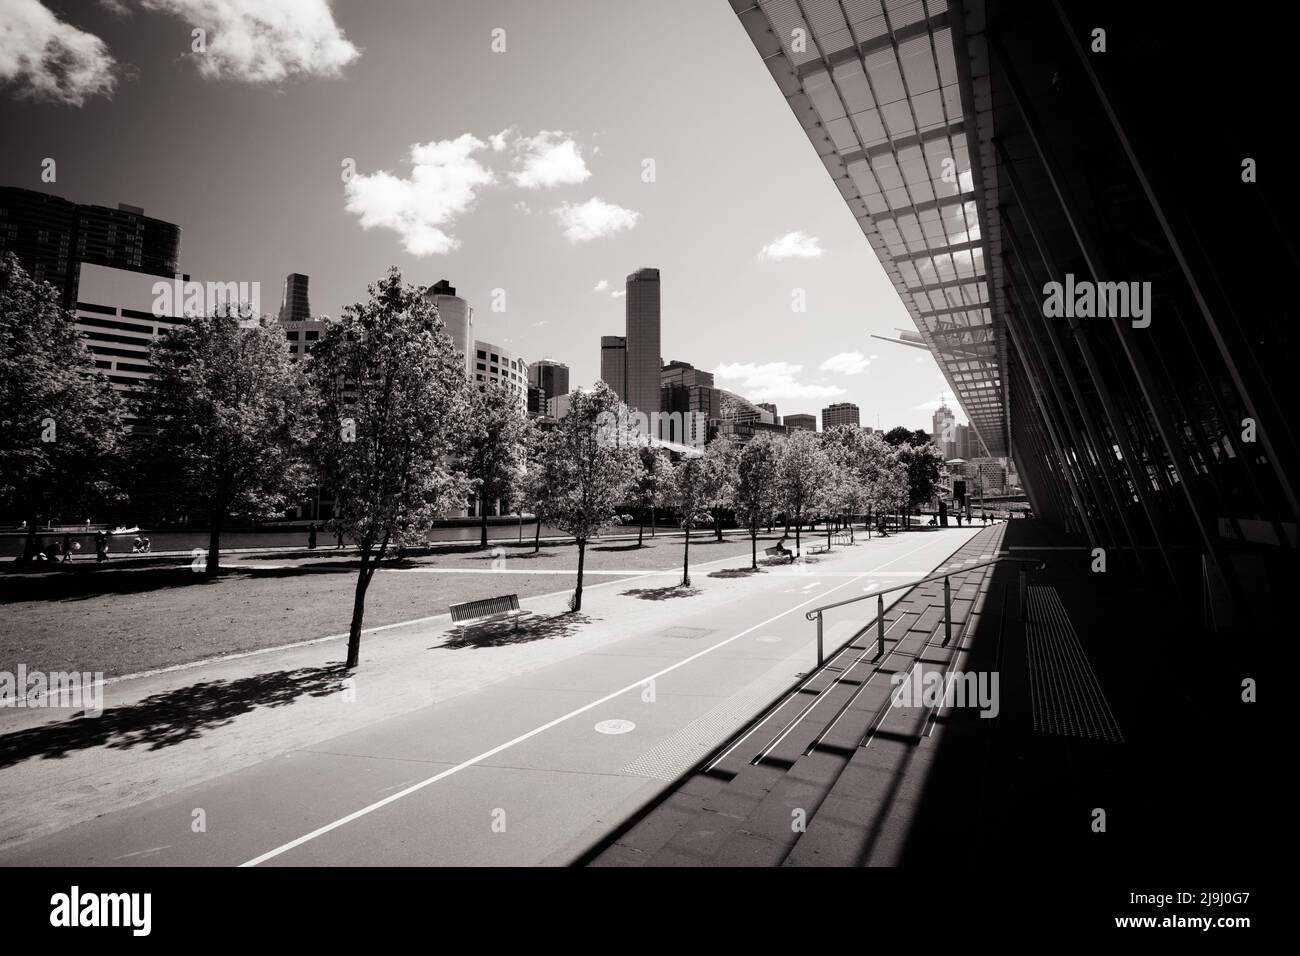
[(643, 341), (841, 413), (494, 363), (551, 377), (295, 306), (613, 363), (457, 318), (808, 422)]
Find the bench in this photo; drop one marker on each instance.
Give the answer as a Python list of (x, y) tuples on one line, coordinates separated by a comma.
[(779, 551), (488, 609), (842, 537)]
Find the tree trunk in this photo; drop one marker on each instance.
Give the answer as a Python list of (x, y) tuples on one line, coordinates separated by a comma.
[(214, 548), (652, 521), (797, 522), (686, 559), (717, 524), (753, 540), (482, 514), (537, 536), (640, 535), (358, 610), (582, 555)]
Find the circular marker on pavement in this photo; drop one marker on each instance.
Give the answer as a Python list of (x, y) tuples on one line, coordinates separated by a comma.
[(615, 727)]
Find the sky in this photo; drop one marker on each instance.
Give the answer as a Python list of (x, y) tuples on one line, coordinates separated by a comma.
[(532, 152)]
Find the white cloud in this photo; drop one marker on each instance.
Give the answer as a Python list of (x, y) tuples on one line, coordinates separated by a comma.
[(618, 293), (522, 207), (846, 363), (772, 380), (498, 140), (445, 178), (593, 219), (793, 245), (601, 286), (550, 158), (260, 42), (48, 59)]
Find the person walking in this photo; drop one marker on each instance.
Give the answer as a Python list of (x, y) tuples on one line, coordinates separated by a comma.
[(311, 535), (67, 548), (101, 547)]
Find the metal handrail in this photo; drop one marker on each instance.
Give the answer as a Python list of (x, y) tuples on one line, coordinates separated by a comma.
[(816, 613)]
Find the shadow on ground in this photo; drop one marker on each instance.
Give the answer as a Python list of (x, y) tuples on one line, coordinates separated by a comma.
[(661, 594), (503, 633), (167, 719), (735, 572)]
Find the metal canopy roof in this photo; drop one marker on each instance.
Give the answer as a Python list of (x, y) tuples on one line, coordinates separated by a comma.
[(877, 88)]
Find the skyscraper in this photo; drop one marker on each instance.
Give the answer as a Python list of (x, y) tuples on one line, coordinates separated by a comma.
[(457, 318), (294, 304), (52, 236), (613, 363), (551, 377), (944, 432), (643, 362), (840, 413)]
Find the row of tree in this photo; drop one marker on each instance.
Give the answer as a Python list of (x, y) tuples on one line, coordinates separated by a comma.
[(381, 415)]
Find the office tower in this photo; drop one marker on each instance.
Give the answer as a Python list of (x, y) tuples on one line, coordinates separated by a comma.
[(643, 361), (551, 377), (493, 363), (684, 373), (613, 363), (294, 304), (52, 236), (768, 406), (806, 422), (116, 316), (840, 413), (536, 401), (457, 318), (944, 432)]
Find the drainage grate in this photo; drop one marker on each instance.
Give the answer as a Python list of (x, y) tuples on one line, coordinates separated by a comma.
[(688, 633)]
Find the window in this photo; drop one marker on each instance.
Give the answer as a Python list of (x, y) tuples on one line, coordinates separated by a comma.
[(293, 335), (495, 357), (481, 367), (311, 336), (482, 354)]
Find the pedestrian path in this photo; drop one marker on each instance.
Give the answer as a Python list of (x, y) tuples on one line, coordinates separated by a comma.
[(828, 774)]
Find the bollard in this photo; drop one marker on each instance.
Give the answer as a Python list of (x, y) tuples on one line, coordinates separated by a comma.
[(947, 612)]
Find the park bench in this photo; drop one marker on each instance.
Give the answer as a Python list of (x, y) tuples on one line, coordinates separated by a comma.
[(488, 609), (779, 550)]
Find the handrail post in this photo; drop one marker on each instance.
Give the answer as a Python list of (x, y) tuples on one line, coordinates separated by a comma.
[(880, 625), (947, 612), (1024, 594), (819, 638)]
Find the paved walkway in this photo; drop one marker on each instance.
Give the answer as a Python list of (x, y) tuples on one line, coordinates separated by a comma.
[(831, 773), (492, 748)]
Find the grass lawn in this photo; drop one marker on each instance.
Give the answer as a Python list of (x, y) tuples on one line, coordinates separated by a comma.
[(127, 619)]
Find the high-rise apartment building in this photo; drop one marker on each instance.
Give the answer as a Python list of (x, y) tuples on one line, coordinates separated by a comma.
[(493, 363), (944, 432), (613, 363), (644, 360), (457, 318), (840, 413), (551, 377), (52, 237)]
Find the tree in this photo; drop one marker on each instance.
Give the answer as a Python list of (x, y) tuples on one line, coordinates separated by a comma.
[(691, 491), (802, 476), (921, 463), (492, 447), (229, 411), (537, 483), (883, 476), (900, 435), (60, 420), (846, 492), (753, 495), (655, 472), (592, 456), (720, 459), (393, 403)]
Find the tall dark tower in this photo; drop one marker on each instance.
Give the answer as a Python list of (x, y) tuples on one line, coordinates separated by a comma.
[(643, 353), (295, 306)]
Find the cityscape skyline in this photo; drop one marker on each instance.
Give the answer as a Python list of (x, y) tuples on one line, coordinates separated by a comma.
[(513, 250)]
